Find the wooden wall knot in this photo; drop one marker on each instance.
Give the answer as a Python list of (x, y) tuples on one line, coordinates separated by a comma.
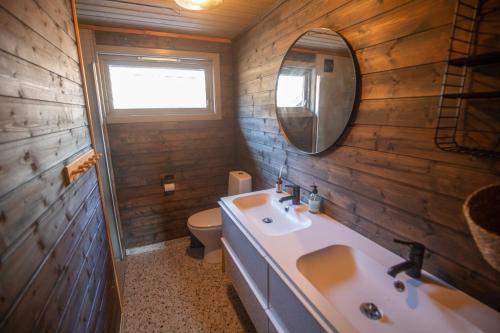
[(41, 245)]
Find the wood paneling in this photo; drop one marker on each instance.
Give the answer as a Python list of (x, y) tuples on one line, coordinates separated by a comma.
[(54, 255), (385, 178), (228, 20), (144, 32), (198, 153)]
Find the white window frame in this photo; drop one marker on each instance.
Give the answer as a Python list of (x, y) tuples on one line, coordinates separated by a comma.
[(108, 55)]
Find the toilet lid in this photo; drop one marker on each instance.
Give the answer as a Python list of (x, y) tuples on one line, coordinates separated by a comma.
[(206, 219)]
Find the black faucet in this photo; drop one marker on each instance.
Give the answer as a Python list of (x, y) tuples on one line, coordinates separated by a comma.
[(413, 265), (295, 197)]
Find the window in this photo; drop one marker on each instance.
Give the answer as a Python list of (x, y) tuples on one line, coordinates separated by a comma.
[(295, 87), (291, 91), (159, 85)]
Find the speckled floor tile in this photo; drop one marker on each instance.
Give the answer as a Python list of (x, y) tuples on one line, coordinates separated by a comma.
[(168, 291)]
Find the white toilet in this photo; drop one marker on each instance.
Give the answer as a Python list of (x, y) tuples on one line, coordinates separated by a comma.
[(206, 225)]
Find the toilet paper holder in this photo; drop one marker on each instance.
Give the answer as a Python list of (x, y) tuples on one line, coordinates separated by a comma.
[(168, 184)]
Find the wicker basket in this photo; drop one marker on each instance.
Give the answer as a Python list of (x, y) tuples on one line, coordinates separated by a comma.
[(482, 213)]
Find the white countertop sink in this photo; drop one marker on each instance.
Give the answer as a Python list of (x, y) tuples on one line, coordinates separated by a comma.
[(332, 270), (348, 278), (270, 216)]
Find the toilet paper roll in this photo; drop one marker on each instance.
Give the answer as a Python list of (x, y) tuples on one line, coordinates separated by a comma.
[(170, 187)]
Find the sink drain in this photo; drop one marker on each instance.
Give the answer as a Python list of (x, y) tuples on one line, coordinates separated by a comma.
[(267, 220), (370, 311), (399, 286)]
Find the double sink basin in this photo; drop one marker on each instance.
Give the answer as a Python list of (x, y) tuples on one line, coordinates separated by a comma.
[(342, 274)]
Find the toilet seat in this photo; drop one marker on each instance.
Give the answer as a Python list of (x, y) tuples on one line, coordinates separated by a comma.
[(207, 219)]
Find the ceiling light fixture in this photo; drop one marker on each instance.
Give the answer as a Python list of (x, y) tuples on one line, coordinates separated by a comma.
[(198, 4)]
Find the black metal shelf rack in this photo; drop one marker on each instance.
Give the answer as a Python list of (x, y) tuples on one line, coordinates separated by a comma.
[(476, 60), (453, 90), (473, 95)]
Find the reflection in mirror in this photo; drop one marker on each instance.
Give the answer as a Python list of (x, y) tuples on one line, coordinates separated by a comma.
[(316, 90)]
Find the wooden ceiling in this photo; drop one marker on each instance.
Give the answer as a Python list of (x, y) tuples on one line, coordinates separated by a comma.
[(321, 41), (228, 20)]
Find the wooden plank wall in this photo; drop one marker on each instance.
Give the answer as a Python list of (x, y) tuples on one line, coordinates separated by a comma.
[(198, 153), (55, 267), (385, 179)]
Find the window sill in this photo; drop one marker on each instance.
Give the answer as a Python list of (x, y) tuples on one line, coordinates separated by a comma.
[(126, 119)]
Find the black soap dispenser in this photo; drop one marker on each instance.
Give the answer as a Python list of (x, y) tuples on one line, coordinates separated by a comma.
[(279, 185)]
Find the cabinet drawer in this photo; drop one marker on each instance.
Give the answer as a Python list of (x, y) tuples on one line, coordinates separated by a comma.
[(287, 308), (250, 258), (245, 288)]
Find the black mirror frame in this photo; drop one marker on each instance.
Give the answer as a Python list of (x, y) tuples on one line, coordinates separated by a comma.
[(356, 101)]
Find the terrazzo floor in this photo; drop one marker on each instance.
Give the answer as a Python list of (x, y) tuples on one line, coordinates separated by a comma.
[(168, 291)]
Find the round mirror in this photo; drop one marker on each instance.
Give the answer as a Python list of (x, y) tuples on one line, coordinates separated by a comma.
[(316, 90)]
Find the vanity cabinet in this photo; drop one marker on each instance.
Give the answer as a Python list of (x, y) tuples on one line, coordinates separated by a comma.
[(246, 289), (286, 308), (269, 302), (251, 258)]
